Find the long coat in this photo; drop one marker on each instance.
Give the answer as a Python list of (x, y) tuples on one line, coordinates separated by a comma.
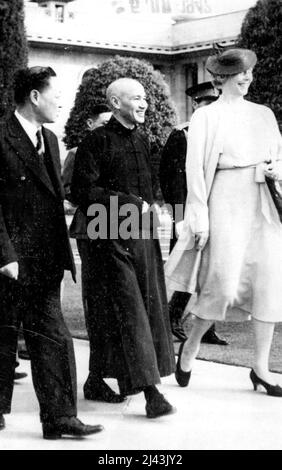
[(31, 208), (206, 142), (128, 323)]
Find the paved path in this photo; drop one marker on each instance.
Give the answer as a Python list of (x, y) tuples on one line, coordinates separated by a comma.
[(219, 410)]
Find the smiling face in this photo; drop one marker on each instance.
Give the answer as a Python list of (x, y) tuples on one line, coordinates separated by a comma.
[(129, 103), (238, 85)]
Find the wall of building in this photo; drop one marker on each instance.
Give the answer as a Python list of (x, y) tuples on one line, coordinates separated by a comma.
[(179, 50)]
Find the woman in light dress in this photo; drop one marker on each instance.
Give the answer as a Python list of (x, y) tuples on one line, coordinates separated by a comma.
[(230, 247)]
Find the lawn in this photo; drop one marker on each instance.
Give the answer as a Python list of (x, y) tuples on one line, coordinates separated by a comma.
[(239, 335)]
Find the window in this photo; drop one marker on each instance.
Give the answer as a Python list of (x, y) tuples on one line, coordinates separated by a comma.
[(59, 13)]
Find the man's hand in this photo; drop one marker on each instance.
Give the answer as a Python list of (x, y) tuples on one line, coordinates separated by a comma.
[(201, 239), (11, 270)]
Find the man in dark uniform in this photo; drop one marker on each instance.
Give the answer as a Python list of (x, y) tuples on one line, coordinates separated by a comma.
[(128, 323), (174, 189), (34, 252)]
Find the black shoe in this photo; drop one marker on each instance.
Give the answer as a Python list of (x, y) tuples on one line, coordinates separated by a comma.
[(102, 392), (158, 406), (24, 355), (182, 378), (71, 426), (2, 422), (272, 390), (211, 337), (19, 375)]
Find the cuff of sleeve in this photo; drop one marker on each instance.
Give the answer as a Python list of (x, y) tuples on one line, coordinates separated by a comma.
[(199, 219)]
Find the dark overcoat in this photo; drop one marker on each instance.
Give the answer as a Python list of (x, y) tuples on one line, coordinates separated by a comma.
[(128, 317), (31, 207), (33, 232)]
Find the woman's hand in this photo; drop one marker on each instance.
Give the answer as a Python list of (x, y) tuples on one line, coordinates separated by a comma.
[(201, 239), (271, 170)]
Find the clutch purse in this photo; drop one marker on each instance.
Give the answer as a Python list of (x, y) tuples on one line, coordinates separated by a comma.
[(276, 194)]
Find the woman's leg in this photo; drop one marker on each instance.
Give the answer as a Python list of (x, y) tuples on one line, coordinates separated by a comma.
[(192, 345), (263, 334)]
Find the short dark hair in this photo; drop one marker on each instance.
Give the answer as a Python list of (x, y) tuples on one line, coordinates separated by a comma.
[(33, 78)]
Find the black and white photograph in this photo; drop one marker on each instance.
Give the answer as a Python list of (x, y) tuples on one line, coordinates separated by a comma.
[(140, 228)]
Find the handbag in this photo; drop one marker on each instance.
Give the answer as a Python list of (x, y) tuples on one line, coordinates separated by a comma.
[(276, 194)]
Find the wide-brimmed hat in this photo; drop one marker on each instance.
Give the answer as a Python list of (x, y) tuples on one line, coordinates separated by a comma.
[(231, 61), (202, 91)]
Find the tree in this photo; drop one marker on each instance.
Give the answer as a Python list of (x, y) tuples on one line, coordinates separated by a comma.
[(160, 115), (13, 50), (261, 32)]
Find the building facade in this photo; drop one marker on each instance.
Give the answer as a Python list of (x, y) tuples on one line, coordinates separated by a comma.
[(176, 36)]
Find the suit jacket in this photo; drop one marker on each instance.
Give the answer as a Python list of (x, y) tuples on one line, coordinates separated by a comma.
[(32, 223)]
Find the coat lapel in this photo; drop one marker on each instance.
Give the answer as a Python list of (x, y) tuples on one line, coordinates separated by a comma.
[(25, 150), (52, 149)]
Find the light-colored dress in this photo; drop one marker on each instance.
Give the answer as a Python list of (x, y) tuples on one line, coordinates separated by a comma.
[(240, 271)]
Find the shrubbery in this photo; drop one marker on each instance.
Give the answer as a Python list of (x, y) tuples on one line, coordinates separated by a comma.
[(13, 50)]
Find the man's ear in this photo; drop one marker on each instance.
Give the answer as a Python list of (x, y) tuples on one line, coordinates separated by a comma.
[(115, 102), (34, 97), (90, 123)]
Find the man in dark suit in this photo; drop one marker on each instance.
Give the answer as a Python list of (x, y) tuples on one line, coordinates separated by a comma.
[(34, 252), (174, 189)]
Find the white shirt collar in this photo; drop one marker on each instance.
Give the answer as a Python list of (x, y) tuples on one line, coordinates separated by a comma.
[(28, 127)]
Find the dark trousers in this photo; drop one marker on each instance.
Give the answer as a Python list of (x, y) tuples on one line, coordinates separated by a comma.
[(83, 246), (48, 342)]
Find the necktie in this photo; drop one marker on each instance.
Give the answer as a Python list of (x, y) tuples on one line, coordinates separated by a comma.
[(39, 145)]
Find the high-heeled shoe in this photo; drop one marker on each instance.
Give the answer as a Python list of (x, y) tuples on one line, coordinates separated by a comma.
[(272, 390), (182, 378)]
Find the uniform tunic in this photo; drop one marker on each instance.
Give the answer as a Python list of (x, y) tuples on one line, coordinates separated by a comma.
[(173, 175), (128, 326)]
